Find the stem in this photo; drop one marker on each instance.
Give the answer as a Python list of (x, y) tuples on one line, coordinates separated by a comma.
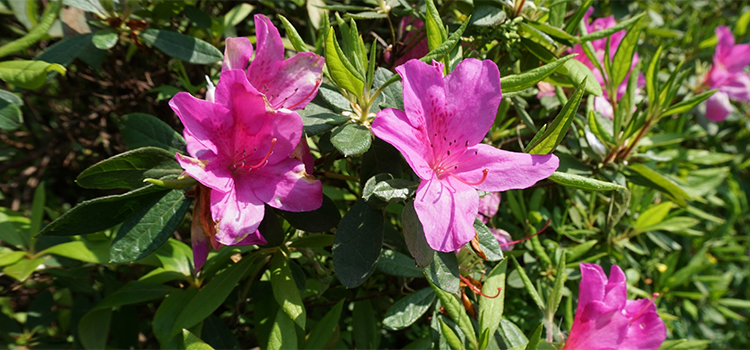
[(340, 176)]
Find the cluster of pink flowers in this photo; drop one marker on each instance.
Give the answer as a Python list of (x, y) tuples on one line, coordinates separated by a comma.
[(601, 104), (727, 75), (242, 141)]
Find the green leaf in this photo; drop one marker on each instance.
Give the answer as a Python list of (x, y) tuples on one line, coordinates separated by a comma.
[(38, 33), (10, 257), (37, 212), (144, 130), (325, 330), (512, 335), (319, 220), (579, 250), (533, 343), (436, 33), (28, 74), (393, 92), (15, 228), (149, 228), (181, 46), (529, 285), (556, 294), (443, 272), (556, 33), (283, 334), (285, 290), (293, 35), (408, 309), (10, 116), (624, 56), (366, 328), (415, 238), (194, 343), (686, 105), (396, 264), (576, 71), (102, 213), (575, 19), (318, 123), (352, 139), (582, 182), (456, 311), (93, 328), (390, 190), (169, 309), (129, 169), (22, 269), (647, 177), (450, 336), (611, 30), (134, 293), (527, 79), (652, 79), (447, 46), (653, 215), (65, 51), (739, 303), (487, 16), (237, 14), (211, 296), (96, 252), (357, 245), (93, 6), (555, 133), (491, 309), (487, 242), (105, 39), (341, 70)]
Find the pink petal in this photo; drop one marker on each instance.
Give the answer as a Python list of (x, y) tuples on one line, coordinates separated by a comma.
[(393, 126), (238, 214), (254, 239), (505, 170), (737, 87), (733, 57), (200, 244), (296, 82), (597, 327), (592, 285), (718, 106), (237, 53), (424, 92), (209, 124), (269, 53), (302, 153), (286, 186), (488, 205), (503, 237), (646, 330), (213, 174), (603, 106), (446, 210), (616, 290), (473, 91), (285, 127)]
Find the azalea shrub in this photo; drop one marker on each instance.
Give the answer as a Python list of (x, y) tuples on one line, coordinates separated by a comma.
[(374, 174)]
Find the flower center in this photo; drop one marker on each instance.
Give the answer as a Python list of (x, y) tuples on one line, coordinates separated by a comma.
[(240, 163), (446, 162)]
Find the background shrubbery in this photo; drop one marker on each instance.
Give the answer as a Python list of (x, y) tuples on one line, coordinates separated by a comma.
[(680, 228)]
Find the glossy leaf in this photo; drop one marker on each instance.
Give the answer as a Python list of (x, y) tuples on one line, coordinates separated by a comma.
[(357, 245), (129, 169), (28, 74), (527, 79), (10, 116), (529, 285), (342, 73), (443, 272), (144, 130), (96, 252), (105, 39), (648, 177), (325, 330), (181, 46), (456, 311), (491, 309), (283, 334), (194, 343), (487, 242), (582, 182), (624, 56), (555, 132), (407, 310), (285, 291), (397, 264), (93, 328), (133, 293), (352, 139), (414, 237)]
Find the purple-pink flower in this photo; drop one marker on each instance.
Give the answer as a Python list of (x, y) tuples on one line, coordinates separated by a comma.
[(601, 104), (290, 83), (240, 151), (605, 319), (413, 42), (727, 75), (439, 135), (488, 205)]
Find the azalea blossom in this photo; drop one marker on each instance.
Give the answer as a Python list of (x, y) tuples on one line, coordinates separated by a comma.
[(439, 135), (503, 238), (601, 104), (240, 152), (488, 205), (727, 75), (605, 319), (414, 41), (290, 83)]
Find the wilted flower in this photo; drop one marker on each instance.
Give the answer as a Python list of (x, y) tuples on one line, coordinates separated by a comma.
[(727, 74), (240, 151), (439, 134), (601, 104), (605, 319)]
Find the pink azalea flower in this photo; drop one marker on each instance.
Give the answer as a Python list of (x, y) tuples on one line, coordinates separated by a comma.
[(488, 205), (605, 319), (601, 104), (414, 42), (439, 134), (290, 83), (727, 74), (503, 238), (240, 151), (545, 89)]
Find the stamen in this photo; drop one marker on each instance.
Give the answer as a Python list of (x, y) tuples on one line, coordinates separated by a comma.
[(317, 84), (261, 163), (529, 237), (651, 301), (476, 290), (484, 177)]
